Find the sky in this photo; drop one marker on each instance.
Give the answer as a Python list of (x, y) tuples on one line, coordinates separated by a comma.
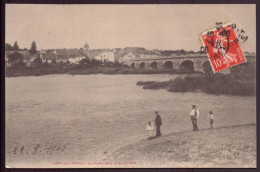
[(165, 27)]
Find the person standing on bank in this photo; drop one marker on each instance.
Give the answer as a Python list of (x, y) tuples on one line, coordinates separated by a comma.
[(211, 119), (194, 114), (158, 123)]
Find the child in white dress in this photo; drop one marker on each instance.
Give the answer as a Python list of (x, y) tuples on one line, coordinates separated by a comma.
[(149, 128)]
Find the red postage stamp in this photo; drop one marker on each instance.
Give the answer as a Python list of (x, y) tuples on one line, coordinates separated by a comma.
[(222, 47)]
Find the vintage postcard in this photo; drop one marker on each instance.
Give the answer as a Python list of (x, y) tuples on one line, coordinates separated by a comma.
[(126, 86)]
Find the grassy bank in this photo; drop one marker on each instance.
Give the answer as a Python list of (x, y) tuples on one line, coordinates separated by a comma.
[(241, 81), (220, 147)]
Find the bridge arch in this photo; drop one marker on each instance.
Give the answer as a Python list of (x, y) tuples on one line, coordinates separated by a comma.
[(133, 65), (168, 65), (206, 67), (142, 65), (187, 66), (153, 65)]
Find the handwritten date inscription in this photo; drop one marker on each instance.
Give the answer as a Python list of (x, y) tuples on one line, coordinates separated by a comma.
[(39, 148)]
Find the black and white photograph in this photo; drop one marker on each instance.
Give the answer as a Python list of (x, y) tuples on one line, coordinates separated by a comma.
[(130, 86)]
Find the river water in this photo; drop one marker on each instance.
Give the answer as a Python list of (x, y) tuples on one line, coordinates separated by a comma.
[(69, 118)]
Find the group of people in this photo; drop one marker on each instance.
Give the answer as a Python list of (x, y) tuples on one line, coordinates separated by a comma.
[(194, 114)]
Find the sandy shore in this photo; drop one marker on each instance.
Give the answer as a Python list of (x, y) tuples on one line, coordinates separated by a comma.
[(229, 147), (222, 147)]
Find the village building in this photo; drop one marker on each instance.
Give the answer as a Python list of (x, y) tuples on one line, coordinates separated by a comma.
[(76, 60), (69, 55), (62, 59), (121, 55), (130, 53), (32, 58), (150, 55), (73, 56), (26, 57), (48, 57), (7, 64), (92, 54), (129, 56), (102, 55), (107, 56)]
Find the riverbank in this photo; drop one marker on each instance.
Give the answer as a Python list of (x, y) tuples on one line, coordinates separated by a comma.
[(125, 70), (81, 70), (224, 147), (91, 114), (241, 81)]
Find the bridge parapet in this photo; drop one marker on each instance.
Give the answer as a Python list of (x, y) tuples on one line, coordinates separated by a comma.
[(196, 63), (169, 62)]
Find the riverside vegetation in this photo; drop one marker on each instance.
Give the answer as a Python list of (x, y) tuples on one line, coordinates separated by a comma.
[(240, 81), (85, 67)]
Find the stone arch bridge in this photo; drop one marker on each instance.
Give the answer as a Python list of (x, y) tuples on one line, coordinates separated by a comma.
[(192, 63)]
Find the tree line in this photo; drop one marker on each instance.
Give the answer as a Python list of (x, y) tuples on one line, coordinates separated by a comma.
[(15, 47)]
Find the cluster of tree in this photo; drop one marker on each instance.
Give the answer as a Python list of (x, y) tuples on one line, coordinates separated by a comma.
[(93, 63), (16, 60), (15, 47), (9, 47), (33, 49)]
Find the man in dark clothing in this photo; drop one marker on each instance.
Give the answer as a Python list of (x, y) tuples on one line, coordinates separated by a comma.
[(194, 114), (158, 123)]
